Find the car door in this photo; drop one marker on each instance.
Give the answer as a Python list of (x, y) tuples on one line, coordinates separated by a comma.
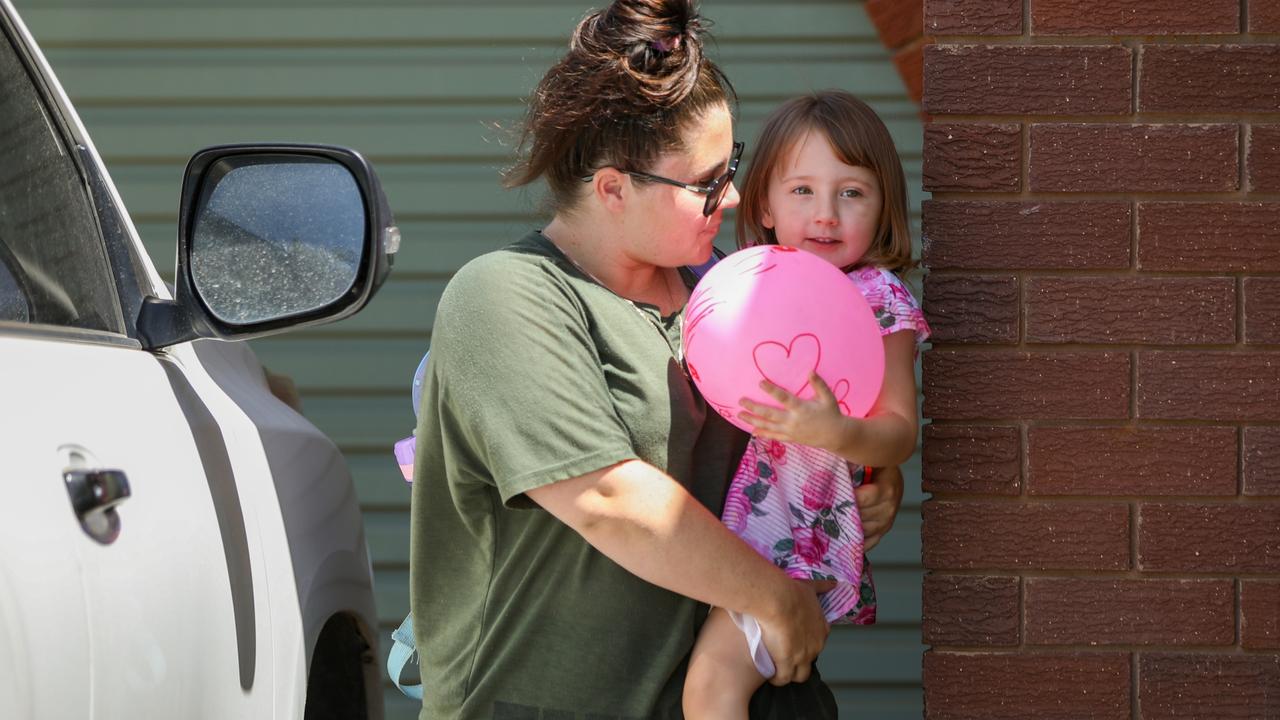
[(127, 568)]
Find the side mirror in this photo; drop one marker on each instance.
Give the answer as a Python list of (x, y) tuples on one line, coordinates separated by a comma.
[(272, 237)]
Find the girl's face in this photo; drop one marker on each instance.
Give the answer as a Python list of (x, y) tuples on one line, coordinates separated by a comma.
[(672, 229), (817, 203)]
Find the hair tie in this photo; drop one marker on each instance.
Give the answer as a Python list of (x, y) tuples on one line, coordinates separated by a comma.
[(666, 45)]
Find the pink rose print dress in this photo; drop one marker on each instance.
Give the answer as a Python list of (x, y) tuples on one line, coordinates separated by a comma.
[(794, 504)]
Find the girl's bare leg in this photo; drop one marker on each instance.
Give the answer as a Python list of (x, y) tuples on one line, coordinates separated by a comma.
[(722, 676)]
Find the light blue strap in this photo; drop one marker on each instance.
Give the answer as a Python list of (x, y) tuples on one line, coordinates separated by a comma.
[(403, 651)]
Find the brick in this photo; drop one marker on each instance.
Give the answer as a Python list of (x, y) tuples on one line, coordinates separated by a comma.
[(975, 385), (1026, 236), (1130, 612), (1210, 236), (898, 22), (966, 459), (1008, 686), (972, 157), (1134, 17), (1222, 687), (1262, 461), (1263, 161), (1131, 461), (1222, 538), (1025, 536), (1210, 78), (972, 308), (972, 17), (1259, 614), (909, 62), (1145, 310), (1134, 158), (1261, 310), (1264, 16), (1209, 385), (970, 610), (1028, 80)]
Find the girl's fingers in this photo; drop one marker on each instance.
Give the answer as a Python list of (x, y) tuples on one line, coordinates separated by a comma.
[(780, 394), (768, 412), (757, 422), (821, 389)]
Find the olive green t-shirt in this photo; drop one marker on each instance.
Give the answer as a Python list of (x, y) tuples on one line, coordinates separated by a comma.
[(538, 374)]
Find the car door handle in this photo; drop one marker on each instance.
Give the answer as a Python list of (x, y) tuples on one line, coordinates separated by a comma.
[(96, 490)]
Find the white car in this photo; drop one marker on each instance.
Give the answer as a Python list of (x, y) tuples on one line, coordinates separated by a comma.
[(175, 542)]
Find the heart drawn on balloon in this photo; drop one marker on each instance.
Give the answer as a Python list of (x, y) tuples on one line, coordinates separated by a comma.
[(789, 366), (840, 391)]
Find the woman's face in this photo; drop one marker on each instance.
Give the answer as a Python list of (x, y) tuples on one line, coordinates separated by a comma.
[(669, 227)]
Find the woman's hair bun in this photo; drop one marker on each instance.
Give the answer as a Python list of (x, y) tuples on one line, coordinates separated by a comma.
[(655, 44), (633, 78)]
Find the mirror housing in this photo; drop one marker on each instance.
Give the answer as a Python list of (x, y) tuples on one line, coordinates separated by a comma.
[(258, 218)]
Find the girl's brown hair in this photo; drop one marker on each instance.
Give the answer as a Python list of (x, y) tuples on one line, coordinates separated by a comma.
[(633, 78), (859, 138)]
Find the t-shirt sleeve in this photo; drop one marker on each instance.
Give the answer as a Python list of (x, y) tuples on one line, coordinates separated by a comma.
[(895, 306), (519, 394)]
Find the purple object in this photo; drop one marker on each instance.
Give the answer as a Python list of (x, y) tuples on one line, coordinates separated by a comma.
[(404, 456)]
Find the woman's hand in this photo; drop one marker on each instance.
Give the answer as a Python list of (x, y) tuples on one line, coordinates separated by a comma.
[(795, 634), (817, 422), (878, 502)]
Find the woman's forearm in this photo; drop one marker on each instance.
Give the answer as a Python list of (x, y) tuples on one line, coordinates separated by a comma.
[(649, 524)]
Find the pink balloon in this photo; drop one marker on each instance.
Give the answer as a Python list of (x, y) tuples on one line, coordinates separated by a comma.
[(777, 313)]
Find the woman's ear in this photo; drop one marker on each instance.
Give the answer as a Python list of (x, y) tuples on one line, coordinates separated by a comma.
[(610, 186)]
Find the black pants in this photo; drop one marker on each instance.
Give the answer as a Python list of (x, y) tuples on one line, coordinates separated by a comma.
[(810, 700)]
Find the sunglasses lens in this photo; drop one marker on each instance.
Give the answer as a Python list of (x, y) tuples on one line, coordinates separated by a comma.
[(721, 184), (715, 196)]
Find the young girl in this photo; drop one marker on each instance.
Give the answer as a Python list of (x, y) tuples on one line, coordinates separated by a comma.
[(826, 179)]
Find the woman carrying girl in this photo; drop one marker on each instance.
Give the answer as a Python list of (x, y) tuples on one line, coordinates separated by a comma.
[(825, 179), (564, 528)]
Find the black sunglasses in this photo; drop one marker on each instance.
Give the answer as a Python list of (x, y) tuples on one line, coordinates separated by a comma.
[(714, 192)]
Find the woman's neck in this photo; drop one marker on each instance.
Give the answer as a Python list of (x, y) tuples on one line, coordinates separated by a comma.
[(603, 257)]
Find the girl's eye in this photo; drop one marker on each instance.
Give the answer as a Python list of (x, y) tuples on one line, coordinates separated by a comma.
[(802, 190), (850, 193)]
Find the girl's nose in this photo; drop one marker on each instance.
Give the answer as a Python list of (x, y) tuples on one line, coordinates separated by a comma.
[(825, 212)]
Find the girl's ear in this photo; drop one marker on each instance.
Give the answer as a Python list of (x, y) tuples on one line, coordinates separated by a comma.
[(766, 217), (609, 186)]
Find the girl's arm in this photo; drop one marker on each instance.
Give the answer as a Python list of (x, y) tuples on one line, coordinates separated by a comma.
[(645, 521), (887, 436)]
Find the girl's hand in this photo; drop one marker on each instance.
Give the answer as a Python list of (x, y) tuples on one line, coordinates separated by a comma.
[(878, 502), (817, 422)]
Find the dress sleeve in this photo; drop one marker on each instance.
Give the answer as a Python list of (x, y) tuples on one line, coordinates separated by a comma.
[(519, 397), (893, 303)]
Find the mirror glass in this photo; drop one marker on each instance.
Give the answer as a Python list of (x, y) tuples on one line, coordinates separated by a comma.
[(276, 236)]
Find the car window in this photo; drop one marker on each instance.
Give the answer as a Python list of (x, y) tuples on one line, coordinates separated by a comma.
[(13, 298), (53, 265)]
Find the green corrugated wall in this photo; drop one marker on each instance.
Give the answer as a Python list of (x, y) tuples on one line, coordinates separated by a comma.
[(424, 89)]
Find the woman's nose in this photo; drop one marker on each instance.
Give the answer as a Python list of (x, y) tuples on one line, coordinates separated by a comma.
[(731, 197)]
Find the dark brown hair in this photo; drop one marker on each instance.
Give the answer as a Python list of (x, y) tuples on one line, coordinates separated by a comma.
[(859, 138), (634, 77)]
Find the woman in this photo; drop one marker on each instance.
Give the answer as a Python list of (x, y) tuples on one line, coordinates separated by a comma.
[(569, 475)]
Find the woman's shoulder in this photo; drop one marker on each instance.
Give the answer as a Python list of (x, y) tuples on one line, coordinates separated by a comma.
[(524, 276), (529, 261)]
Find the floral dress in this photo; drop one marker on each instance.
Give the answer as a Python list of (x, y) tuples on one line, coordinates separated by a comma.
[(794, 504)]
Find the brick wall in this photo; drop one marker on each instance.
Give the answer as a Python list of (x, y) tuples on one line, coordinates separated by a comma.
[(1103, 249)]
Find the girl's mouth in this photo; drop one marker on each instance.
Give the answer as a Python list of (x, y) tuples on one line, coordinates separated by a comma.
[(824, 240)]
